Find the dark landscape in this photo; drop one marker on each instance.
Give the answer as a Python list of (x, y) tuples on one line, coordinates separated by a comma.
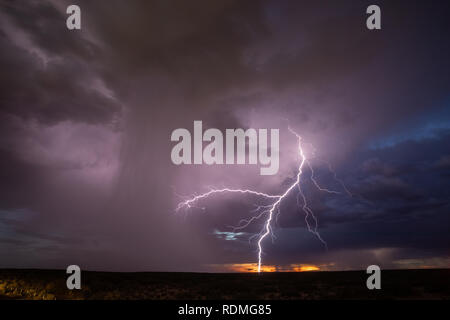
[(431, 284)]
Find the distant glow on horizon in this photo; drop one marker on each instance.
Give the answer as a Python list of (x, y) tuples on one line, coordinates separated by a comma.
[(253, 267), (305, 268)]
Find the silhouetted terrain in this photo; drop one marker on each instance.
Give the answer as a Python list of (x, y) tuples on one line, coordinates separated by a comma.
[(396, 284)]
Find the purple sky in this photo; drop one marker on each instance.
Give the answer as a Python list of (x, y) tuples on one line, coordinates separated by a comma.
[(86, 116)]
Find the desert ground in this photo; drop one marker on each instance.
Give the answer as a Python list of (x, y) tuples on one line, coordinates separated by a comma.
[(395, 284)]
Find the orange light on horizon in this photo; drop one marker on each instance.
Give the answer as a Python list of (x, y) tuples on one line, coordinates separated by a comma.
[(305, 268), (250, 267), (253, 267)]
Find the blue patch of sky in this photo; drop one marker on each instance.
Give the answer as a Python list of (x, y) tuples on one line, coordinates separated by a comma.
[(423, 127), (9, 217)]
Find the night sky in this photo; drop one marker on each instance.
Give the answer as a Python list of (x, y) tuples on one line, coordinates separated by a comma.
[(86, 116)]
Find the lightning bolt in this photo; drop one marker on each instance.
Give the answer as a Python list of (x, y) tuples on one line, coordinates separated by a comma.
[(270, 210)]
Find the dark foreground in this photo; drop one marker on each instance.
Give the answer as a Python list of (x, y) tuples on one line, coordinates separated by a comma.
[(395, 284)]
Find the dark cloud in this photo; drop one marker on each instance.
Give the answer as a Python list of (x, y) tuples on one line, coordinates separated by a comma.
[(86, 118)]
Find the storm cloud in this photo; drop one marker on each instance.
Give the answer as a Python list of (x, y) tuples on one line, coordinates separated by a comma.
[(86, 117)]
